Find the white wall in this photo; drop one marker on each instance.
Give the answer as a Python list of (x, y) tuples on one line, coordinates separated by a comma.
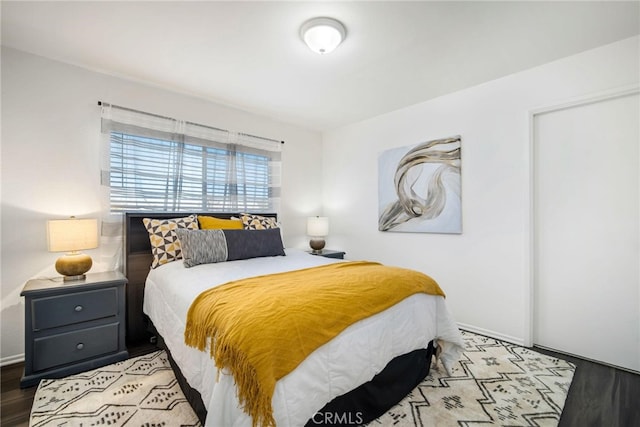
[(485, 271), (51, 162)]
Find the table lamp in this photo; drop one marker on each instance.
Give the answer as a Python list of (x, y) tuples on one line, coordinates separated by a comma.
[(72, 235), (317, 229)]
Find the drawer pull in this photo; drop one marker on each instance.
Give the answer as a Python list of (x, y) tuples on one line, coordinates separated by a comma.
[(80, 346), (79, 308)]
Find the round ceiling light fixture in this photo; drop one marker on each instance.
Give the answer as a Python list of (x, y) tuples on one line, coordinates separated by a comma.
[(323, 35)]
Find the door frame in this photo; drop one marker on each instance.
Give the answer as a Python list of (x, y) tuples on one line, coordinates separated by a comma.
[(530, 266)]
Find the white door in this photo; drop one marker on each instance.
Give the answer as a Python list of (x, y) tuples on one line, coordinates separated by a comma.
[(587, 230)]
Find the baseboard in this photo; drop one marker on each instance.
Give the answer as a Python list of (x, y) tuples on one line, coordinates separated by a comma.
[(5, 361), (492, 334)]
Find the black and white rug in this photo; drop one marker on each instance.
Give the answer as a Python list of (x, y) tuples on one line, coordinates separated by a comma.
[(137, 392), (494, 383)]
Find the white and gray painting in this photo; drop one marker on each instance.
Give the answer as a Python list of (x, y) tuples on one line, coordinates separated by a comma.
[(419, 188)]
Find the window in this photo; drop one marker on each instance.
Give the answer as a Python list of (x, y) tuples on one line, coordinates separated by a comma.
[(156, 168)]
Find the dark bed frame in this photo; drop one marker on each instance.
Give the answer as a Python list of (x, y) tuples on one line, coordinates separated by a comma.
[(137, 262), (361, 405)]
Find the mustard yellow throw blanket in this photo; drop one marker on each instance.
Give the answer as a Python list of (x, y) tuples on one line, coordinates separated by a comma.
[(262, 327)]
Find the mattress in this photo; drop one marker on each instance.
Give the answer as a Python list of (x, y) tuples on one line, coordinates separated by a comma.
[(349, 360)]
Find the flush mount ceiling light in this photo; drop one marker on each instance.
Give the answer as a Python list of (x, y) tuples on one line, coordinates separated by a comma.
[(322, 35)]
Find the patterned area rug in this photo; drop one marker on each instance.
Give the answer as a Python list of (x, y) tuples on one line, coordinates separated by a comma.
[(494, 383), (137, 392)]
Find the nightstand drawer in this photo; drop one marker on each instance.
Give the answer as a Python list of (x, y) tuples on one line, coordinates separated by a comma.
[(72, 327), (73, 308), (70, 347)]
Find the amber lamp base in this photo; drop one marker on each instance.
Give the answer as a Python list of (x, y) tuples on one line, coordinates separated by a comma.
[(73, 266)]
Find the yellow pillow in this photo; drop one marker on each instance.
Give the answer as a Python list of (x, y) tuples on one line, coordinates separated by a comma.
[(212, 223)]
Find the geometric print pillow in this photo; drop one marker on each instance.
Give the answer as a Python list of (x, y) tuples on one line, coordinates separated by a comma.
[(257, 222), (165, 245)]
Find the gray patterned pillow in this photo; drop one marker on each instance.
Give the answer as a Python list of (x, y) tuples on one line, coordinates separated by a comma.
[(210, 246), (202, 246)]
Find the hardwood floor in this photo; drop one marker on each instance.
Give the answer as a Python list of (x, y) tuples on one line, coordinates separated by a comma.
[(600, 396), (16, 402)]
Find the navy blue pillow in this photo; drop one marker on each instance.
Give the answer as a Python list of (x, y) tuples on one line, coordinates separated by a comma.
[(245, 244)]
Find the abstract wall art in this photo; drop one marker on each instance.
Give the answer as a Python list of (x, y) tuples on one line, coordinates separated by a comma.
[(419, 188)]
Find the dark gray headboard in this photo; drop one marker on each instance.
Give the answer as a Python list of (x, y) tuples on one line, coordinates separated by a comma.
[(137, 262)]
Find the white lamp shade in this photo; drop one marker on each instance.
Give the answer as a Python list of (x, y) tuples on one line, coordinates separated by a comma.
[(68, 235), (323, 35), (317, 226)]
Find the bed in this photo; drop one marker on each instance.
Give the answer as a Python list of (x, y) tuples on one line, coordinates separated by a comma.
[(350, 380)]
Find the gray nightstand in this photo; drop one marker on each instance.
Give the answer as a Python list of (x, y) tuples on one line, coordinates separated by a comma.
[(73, 327), (328, 253)]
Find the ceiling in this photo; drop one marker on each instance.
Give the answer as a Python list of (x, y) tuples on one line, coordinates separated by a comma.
[(249, 55)]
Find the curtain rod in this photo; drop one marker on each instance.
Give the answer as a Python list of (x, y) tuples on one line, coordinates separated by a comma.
[(100, 103)]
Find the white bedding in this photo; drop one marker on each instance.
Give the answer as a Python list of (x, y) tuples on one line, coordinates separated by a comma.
[(349, 360)]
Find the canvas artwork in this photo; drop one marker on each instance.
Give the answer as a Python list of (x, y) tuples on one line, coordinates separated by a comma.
[(419, 188)]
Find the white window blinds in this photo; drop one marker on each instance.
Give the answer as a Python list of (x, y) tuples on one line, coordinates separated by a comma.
[(162, 164)]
